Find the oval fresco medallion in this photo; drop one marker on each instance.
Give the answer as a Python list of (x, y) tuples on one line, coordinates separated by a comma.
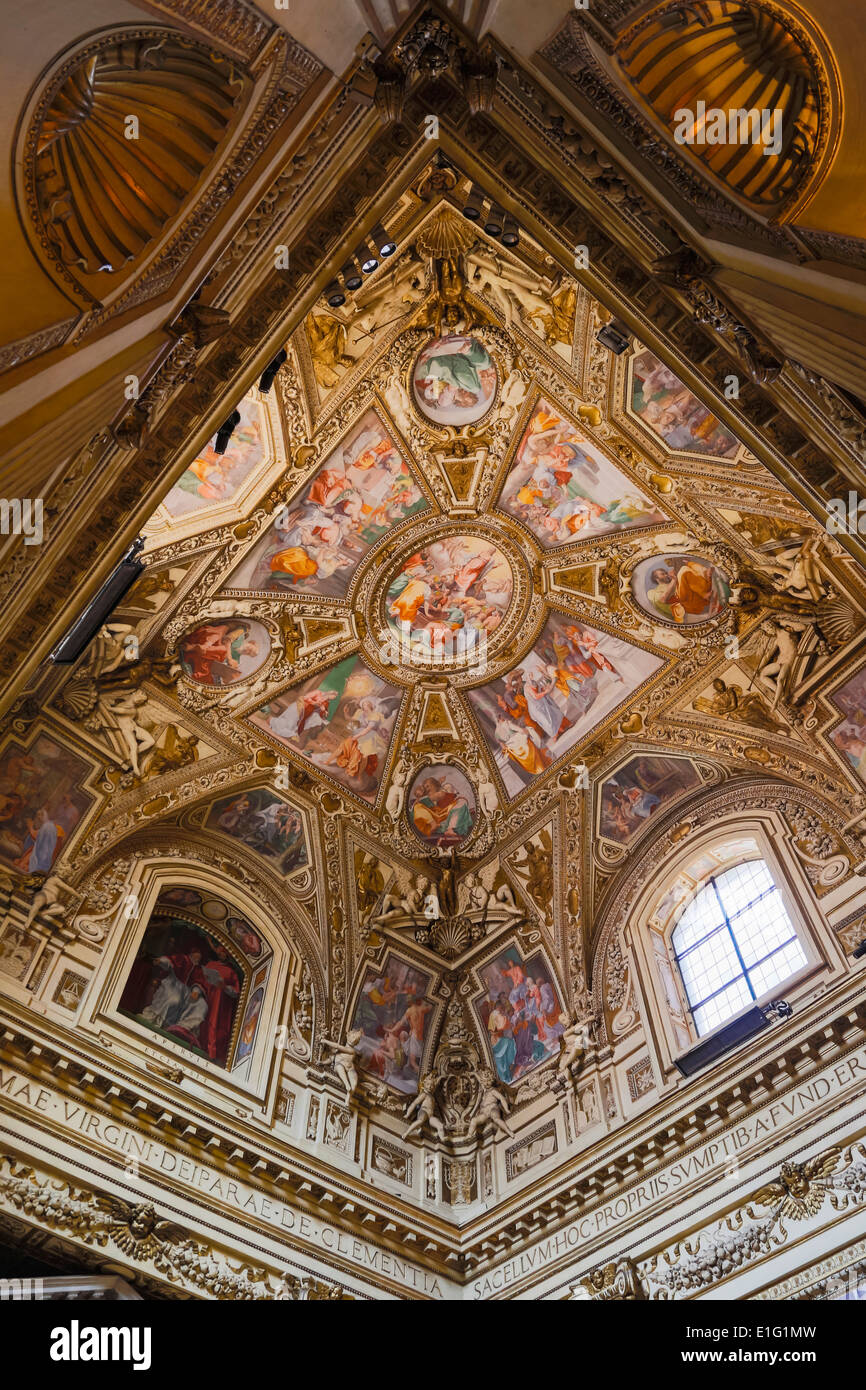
[(681, 590), (441, 806), (224, 650), (454, 380)]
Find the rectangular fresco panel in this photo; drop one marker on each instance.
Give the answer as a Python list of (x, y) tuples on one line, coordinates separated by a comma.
[(265, 823), (638, 789), (667, 407), (213, 477), (392, 1015), (564, 489), (340, 720), (361, 490), (41, 802), (520, 1013), (850, 736), (563, 687), (185, 986)]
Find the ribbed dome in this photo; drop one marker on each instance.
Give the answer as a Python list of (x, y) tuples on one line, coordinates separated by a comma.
[(734, 55)]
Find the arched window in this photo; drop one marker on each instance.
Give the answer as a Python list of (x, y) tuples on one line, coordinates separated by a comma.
[(734, 943)]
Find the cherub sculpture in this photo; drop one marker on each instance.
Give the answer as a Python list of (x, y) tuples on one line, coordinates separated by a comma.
[(425, 1106), (492, 1108), (345, 1055)]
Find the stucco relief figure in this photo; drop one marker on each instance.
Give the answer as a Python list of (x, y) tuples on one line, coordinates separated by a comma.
[(782, 661), (345, 1058), (122, 712), (492, 1109), (424, 1108), (396, 792), (730, 702), (53, 900), (575, 1041)]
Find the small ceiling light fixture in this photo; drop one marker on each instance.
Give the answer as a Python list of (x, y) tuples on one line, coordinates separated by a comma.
[(615, 336), (474, 205), (366, 258), (510, 231), (225, 432), (266, 380), (495, 220), (385, 245), (334, 294), (352, 277)]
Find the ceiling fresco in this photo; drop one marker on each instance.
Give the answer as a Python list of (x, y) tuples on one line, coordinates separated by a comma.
[(470, 611)]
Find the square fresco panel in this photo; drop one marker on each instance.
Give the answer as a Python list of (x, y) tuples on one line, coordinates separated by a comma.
[(265, 823), (361, 490), (638, 789), (212, 478), (520, 1013), (850, 736), (668, 408), (572, 677), (41, 802), (392, 1015), (564, 489), (341, 721)]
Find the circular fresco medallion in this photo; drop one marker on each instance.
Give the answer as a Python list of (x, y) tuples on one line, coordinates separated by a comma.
[(224, 650), (447, 598), (441, 806), (681, 590), (454, 380)]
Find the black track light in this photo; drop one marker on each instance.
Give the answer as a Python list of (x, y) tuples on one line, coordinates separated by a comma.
[(366, 258), (474, 205), (385, 245), (225, 432), (266, 380), (614, 335), (510, 231), (494, 221), (100, 607), (334, 294), (352, 277)]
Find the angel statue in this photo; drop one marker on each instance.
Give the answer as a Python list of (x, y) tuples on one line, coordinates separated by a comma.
[(345, 1055)]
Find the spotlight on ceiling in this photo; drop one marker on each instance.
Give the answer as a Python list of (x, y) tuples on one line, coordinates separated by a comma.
[(614, 335), (334, 294), (266, 380), (225, 432), (366, 258), (385, 245), (474, 205), (495, 220), (510, 231), (352, 277), (99, 609)]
